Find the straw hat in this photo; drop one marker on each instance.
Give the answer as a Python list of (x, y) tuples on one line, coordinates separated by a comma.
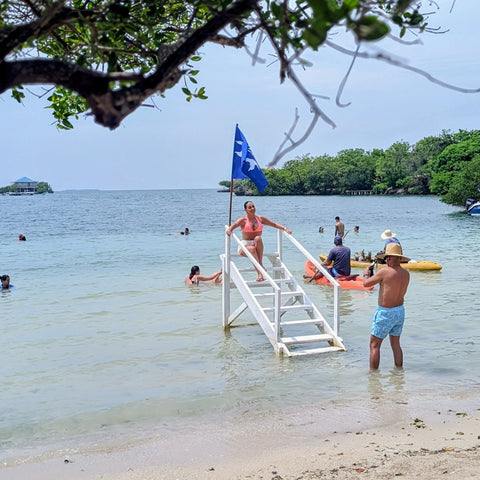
[(393, 250), (388, 234)]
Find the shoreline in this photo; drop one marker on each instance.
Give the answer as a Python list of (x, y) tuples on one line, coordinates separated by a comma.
[(424, 438)]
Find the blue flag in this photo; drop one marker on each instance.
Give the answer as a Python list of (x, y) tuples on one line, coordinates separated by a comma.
[(244, 164)]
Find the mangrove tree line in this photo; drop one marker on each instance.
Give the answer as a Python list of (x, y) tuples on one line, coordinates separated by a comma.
[(447, 165)]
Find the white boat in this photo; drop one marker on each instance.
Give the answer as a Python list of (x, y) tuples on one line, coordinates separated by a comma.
[(472, 206)]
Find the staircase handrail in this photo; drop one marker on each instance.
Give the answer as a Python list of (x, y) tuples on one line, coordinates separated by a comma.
[(323, 270)]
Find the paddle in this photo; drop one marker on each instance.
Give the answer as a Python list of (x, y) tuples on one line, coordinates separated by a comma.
[(372, 266), (316, 274)]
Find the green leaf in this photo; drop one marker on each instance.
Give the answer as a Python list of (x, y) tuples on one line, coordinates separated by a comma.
[(17, 94), (350, 4), (370, 28)]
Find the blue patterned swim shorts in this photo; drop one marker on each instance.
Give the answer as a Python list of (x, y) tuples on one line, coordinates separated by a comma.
[(388, 321)]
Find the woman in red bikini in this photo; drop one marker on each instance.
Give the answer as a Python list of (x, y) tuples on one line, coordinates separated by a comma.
[(252, 227)]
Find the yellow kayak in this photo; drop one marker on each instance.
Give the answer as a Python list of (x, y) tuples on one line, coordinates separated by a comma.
[(422, 265)]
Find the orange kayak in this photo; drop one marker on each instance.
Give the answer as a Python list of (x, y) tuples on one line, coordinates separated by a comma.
[(354, 282)]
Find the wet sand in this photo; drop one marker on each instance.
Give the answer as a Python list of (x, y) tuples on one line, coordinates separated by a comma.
[(427, 437)]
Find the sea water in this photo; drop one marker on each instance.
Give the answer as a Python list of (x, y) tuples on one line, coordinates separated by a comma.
[(100, 333)]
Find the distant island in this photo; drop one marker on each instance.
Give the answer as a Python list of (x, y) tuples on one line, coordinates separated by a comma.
[(26, 186)]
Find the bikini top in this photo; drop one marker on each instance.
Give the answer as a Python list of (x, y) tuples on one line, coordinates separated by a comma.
[(247, 228)]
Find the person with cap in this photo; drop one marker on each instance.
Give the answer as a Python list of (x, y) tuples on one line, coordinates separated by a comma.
[(390, 314), (338, 259)]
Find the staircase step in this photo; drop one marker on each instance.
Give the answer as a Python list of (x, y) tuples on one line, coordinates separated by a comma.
[(314, 351), (287, 308), (254, 283), (320, 337), (288, 293), (308, 321)]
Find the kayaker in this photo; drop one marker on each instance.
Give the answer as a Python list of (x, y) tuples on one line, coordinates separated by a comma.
[(389, 237), (390, 314), (338, 259)]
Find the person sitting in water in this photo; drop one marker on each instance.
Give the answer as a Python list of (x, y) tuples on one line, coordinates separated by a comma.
[(389, 237), (194, 278), (252, 228), (5, 279)]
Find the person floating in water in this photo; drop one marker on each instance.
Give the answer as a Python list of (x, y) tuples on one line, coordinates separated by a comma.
[(194, 278), (5, 279), (21, 237)]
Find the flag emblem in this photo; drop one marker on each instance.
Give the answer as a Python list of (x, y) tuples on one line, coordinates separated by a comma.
[(244, 164)]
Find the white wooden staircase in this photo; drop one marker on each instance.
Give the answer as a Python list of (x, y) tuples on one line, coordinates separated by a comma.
[(290, 320)]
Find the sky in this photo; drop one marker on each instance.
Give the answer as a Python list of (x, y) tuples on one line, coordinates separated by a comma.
[(189, 145)]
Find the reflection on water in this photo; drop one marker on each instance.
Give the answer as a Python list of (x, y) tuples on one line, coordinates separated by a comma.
[(387, 385)]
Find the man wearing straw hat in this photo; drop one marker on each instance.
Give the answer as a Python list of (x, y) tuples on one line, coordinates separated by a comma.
[(390, 314)]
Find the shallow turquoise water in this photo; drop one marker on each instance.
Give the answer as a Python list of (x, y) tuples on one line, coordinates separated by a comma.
[(100, 331)]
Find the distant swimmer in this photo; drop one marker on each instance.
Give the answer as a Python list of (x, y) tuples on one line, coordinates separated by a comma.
[(5, 279), (21, 237), (185, 232)]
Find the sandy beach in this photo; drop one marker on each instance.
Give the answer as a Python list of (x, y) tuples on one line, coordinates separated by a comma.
[(424, 438)]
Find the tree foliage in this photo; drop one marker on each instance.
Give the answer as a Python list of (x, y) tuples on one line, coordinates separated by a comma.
[(109, 56), (447, 165), (465, 184)]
